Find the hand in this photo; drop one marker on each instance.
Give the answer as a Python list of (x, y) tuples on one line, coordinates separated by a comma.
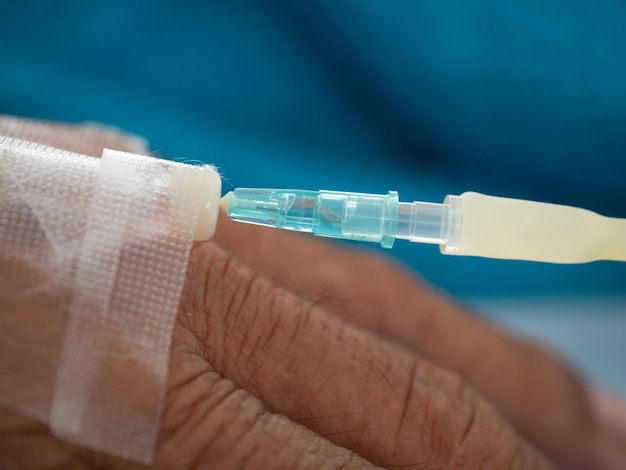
[(290, 352)]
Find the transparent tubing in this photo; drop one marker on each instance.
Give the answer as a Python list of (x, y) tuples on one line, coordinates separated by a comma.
[(422, 222), (427, 222)]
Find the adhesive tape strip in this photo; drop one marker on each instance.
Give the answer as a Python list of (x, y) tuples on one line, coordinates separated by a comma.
[(130, 273), (125, 251)]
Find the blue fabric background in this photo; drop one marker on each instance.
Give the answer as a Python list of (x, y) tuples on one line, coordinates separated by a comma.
[(432, 97)]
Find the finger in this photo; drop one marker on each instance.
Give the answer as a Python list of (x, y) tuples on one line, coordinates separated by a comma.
[(211, 423), (540, 396), (360, 392), (87, 139), (208, 423), (612, 412), (25, 443)]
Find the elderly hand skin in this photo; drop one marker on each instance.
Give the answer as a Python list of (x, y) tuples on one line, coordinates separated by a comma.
[(291, 353)]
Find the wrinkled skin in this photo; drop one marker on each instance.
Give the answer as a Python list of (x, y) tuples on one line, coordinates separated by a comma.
[(291, 352)]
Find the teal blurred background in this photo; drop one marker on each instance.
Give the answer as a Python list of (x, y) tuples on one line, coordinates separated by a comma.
[(522, 99)]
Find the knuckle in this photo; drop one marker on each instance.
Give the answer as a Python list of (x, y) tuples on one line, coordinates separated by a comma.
[(484, 438), (461, 428), (241, 312), (202, 418), (470, 410), (225, 297)]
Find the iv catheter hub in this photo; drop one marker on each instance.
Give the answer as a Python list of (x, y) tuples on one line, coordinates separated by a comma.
[(352, 216)]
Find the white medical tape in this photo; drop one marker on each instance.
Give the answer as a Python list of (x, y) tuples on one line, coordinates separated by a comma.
[(97, 250), (45, 194)]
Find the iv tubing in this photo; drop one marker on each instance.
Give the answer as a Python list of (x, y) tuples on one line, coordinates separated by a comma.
[(471, 224)]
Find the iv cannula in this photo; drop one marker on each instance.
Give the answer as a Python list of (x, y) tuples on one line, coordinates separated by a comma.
[(470, 224)]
